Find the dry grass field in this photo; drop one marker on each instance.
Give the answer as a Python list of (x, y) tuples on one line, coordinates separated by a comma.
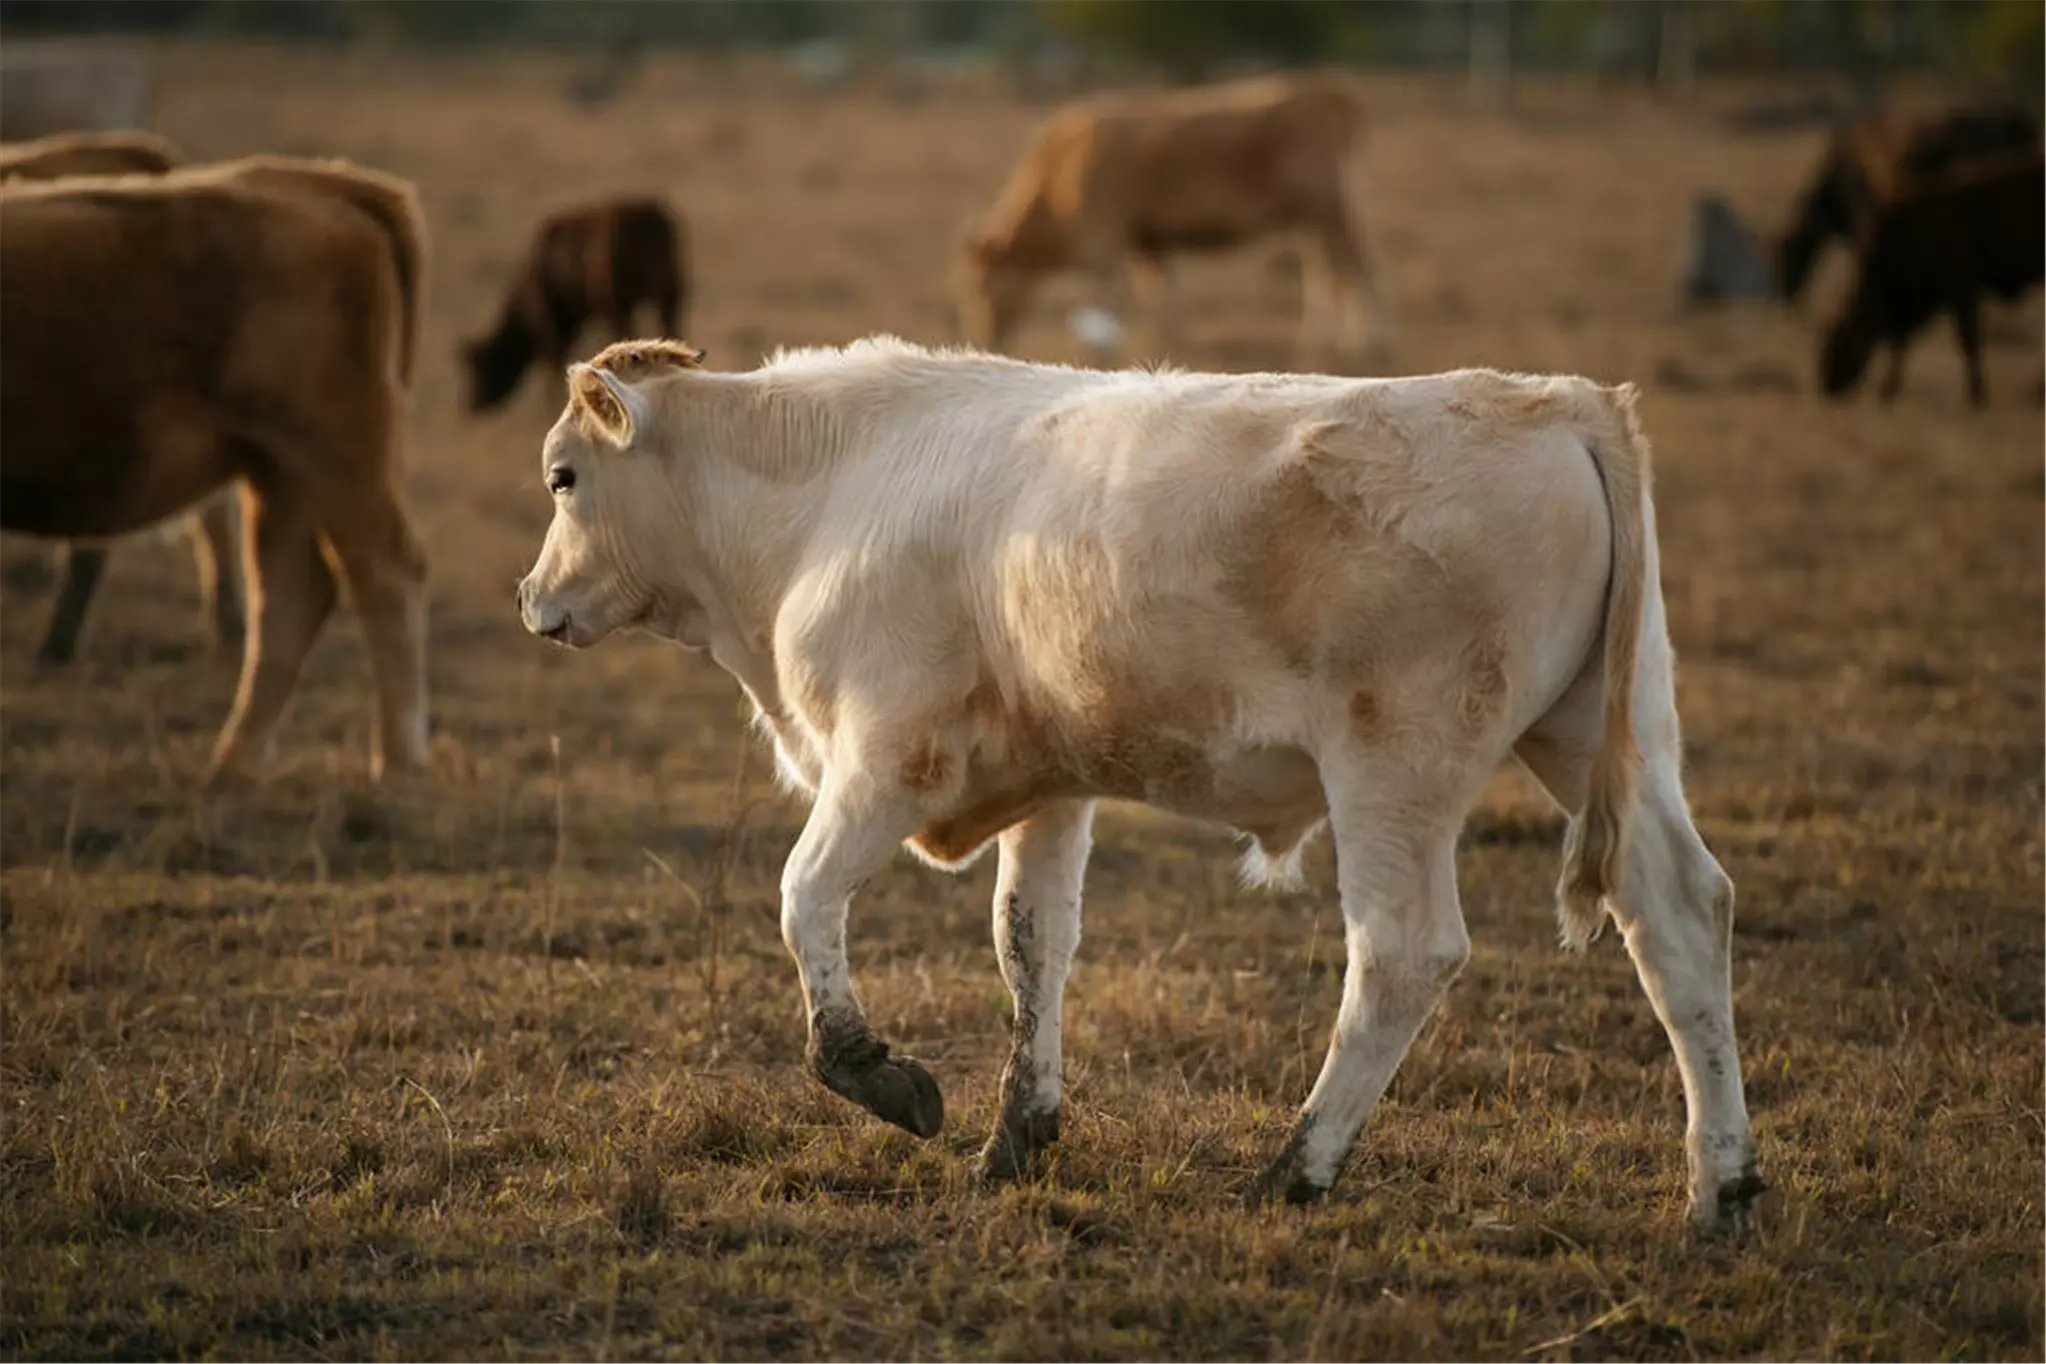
[(507, 1061)]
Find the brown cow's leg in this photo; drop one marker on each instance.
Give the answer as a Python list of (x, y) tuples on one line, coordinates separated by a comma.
[(386, 572), (83, 565), (670, 305), (1968, 330), (349, 470), (1893, 376), (290, 593), (1157, 295), (1354, 288), (1037, 928), (1107, 269), (211, 529)]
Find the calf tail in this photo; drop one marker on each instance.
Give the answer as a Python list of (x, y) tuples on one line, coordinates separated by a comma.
[(1595, 849)]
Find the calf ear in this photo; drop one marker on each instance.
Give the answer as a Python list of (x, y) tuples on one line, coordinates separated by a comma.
[(611, 409)]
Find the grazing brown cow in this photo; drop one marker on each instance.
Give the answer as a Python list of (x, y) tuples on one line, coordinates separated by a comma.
[(1873, 160), (211, 528), (597, 260), (254, 322), (1941, 249), (1134, 179)]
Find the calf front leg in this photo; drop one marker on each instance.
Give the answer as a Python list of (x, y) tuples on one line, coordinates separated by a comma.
[(1037, 928), (849, 836)]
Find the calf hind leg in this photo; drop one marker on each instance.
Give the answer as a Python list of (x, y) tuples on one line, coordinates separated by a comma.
[(1675, 910), (1037, 928), (1404, 930)]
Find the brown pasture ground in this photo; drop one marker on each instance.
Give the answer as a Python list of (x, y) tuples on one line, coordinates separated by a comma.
[(506, 1061)]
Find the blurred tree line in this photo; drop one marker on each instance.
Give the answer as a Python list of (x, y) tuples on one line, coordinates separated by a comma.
[(1984, 42)]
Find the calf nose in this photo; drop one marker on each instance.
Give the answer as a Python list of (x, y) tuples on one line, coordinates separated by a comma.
[(546, 624)]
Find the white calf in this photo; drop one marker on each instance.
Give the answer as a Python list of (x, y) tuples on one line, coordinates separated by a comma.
[(969, 597)]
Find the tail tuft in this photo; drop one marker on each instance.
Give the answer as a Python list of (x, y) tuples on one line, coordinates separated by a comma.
[(1595, 850)]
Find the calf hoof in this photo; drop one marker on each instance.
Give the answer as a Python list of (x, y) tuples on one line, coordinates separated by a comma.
[(1730, 1214), (895, 1089), (1012, 1152)]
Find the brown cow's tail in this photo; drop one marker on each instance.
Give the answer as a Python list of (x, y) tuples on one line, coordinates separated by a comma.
[(393, 204), (1595, 849)]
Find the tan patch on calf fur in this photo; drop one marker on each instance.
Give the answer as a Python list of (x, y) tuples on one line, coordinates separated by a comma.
[(1291, 547)]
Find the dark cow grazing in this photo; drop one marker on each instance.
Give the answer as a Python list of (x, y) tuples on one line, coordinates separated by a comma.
[(1874, 160), (600, 260), (212, 527), (1940, 250), (250, 322)]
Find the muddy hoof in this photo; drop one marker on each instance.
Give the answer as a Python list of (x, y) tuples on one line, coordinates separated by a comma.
[(903, 1092), (1283, 1182), (895, 1089), (1012, 1152)]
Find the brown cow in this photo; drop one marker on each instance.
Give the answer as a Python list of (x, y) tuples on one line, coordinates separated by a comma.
[(250, 322), (596, 260), (212, 528), (1873, 160), (1940, 250), (1133, 179)]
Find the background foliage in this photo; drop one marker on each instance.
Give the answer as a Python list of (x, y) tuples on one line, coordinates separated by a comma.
[(1995, 42)]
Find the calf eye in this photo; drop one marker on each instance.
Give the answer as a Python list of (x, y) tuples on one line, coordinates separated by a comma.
[(560, 479)]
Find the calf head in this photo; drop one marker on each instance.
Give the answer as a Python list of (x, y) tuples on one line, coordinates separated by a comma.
[(609, 484), (991, 291)]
